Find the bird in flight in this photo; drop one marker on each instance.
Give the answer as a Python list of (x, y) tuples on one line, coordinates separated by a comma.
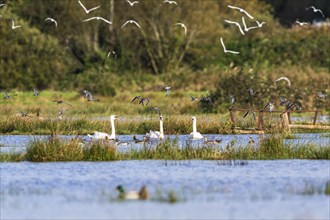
[(168, 90), (157, 109), (88, 10), (3, 5), (284, 101), (130, 22), (13, 25), (246, 29), (232, 99), (61, 102), (52, 20), (284, 78), (269, 105), (241, 10), (315, 10), (142, 100), (237, 24), (193, 98), (184, 27), (170, 2), (224, 48), (23, 114), (321, 95), (206, 100), (35, 92), (132, 3), (252, 92), (6, 95), (112, 53), (97, 18), (300, 23)]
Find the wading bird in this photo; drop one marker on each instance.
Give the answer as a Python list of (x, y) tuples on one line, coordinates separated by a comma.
[(241, 10), (97, 18), (88, 10), (224, 48), (130, 22), (237, 24), (315, 10), (52, 20)]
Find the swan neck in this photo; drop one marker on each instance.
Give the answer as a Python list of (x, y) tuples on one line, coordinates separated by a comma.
[(161, 130), (194, 126), (113, 131)]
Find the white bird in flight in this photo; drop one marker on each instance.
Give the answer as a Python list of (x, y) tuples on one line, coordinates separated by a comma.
[(3, 5), (300, 23), (13, 25), (112, 52), (170, 2), (246, 29), (237, 24), (132, 3), (184, 26), (130, 21), (88, 10), (283, 78), (52, 20), (241, 10), (224, 48), (97, 18), (315, 10)]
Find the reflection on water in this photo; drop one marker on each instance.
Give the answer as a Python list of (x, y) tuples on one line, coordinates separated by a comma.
[(205, 189), (18, 143)]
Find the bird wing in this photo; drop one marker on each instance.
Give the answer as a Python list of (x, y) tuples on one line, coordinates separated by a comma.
[(88, 19), (136, 97), (319, 10), (247, 14), (310, 7), (124, 24), (147, 100), (266, 105), (136, 24), (284, 78), (82, 6), (246, 114), (109, 22), (223, 45), (94, 8)]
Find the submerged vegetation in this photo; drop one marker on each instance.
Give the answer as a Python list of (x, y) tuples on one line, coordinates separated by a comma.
[(271, 147)]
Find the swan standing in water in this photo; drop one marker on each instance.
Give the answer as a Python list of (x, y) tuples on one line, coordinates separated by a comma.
[(195, 135), (101, 135), (157, 134)]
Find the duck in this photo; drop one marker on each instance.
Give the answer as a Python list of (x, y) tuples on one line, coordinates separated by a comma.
[(157, 134), (138, 141), (142, 194), (195, 135), (214, 141), (102, 135)]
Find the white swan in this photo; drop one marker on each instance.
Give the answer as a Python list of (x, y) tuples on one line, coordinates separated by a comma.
[(157, 134), (102, 135), (195, 134)]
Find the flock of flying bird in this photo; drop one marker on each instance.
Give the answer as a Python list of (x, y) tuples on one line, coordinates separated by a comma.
[(145, 100)]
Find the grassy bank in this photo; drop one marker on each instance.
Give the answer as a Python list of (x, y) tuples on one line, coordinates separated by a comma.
[(270, 147)]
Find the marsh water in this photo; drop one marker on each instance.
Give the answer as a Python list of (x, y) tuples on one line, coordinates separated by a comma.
[(202, 190), (18, 143)]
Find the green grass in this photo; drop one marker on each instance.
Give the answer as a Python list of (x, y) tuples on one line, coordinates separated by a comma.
[(271, 147)]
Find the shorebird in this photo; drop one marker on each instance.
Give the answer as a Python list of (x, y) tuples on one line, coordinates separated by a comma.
[(90, 97), (51, 20), (193, 98), (232, 99), (61, 102), (84, 92), (13, 25), (35, 92), (142, 100), (206, 100), (88, 10), (252, 92), (237, 24), (315, 10), (60, 114), (157, 109), (241, 10), (170, 2), (184, 27), (300, 23), (6, 95), (224, 48), (168, 90), (132, 3), (321, 95), (97, 18), (250, 111), (269, 105), (284, 101), (131, 22), (284, 78), (23, 114)]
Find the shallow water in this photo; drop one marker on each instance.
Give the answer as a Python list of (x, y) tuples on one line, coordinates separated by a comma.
[(204, 189), (18, 143)]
